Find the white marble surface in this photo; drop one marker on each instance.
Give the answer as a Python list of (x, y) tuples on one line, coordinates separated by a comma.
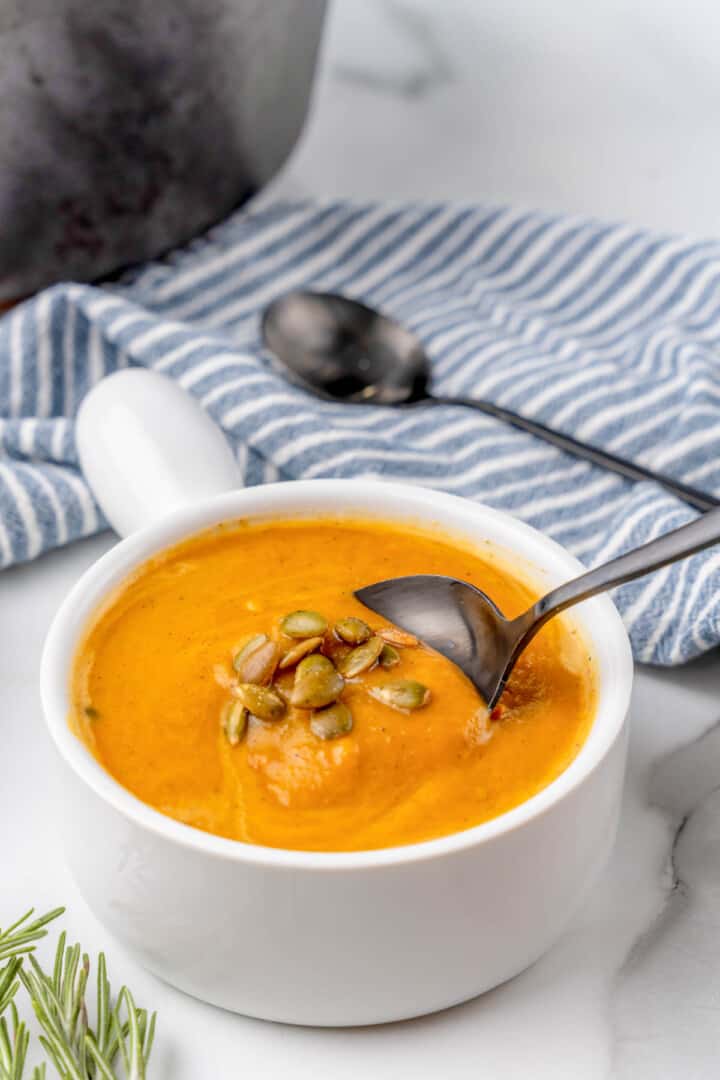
[(609, 112), (607, 109)]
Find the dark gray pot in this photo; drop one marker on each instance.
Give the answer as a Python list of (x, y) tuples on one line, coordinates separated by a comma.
[(128, 126)]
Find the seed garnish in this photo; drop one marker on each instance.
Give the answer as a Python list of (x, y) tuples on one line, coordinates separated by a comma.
[(257, 660), (303, 624), (262, 701), (362, 658), (317, 683), (322, 660), (353, 631), (297, 652), (332, 722), (233, 719), (405, 694), (389, 657), (395, 636)]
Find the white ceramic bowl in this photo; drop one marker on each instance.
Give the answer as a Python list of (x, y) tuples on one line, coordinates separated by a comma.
[(348, 938)]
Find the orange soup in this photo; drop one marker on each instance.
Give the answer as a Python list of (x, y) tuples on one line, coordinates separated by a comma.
[(235, 684)]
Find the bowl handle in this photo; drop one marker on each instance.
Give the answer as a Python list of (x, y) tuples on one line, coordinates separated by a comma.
[(147, 447)]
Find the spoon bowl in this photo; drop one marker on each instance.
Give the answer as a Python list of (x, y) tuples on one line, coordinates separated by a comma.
[(342, 349), (455, 619)]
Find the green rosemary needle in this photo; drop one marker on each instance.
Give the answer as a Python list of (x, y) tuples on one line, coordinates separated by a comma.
[(14, 1039), (19, 938)]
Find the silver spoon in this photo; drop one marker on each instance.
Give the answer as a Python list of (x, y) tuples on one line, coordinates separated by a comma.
[(462, 623), (344, 351)]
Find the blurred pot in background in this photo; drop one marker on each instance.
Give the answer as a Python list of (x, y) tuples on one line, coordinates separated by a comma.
[(128, 126)]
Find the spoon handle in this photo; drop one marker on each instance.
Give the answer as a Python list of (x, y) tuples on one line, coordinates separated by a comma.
[(678, 544), (699, 499)]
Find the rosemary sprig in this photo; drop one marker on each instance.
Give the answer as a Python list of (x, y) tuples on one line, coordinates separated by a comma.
[(123, 1034), (17, 941), (76, 1050)]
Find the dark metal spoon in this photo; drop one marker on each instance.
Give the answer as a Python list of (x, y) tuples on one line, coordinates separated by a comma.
[(462, 623), (344, 351)]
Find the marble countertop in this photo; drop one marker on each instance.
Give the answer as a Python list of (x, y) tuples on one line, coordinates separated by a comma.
[(610, 115)]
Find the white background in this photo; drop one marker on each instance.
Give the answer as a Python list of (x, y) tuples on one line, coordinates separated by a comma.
[(606, 108)]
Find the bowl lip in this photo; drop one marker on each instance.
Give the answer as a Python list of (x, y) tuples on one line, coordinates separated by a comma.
[(399, 501)]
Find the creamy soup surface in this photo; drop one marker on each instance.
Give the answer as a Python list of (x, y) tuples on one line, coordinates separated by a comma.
[(154, 678)]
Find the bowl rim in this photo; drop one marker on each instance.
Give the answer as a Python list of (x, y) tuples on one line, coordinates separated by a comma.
[(606, 635)]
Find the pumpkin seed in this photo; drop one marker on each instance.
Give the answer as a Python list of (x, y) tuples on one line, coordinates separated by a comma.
[(257, 660), (262, 701), (303, 624), (253, 642), (394, 636), (317, 683), (406, 694), (353, 631), (389, 657), (362, 658), (233, 719), (296, 653), (332, 722), (335, 650)]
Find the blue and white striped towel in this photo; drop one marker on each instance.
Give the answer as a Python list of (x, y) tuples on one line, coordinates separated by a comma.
[(604, 331)]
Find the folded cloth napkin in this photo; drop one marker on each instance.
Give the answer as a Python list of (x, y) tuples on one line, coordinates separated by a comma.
[(604, 331)]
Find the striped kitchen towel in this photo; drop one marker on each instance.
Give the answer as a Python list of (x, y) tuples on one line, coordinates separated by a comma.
[(601, 330)]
